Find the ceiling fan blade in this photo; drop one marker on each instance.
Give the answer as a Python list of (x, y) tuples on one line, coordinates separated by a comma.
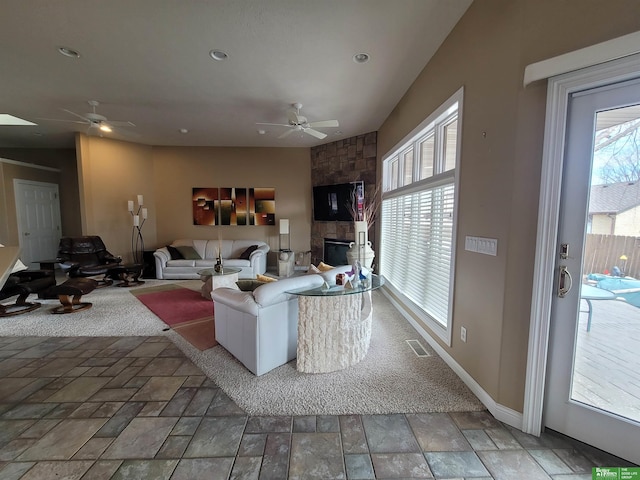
[(119, 123), (315, 133), (120, 132), (76, 115), (277, 124), (325, 123), (287, 133), (61, 120)]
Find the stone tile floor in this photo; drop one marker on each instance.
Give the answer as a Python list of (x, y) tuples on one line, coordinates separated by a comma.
[(136, 408)]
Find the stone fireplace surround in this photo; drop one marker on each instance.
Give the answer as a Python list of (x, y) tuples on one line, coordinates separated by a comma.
[(342, 161)]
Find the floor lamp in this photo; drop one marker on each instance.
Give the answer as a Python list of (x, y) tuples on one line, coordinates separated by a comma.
[(139, 216)]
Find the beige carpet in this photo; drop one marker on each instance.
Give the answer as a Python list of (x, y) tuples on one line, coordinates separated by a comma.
[(390, 379)]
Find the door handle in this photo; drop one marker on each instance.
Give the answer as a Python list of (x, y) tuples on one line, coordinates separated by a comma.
[(26, 234), (564, 281)]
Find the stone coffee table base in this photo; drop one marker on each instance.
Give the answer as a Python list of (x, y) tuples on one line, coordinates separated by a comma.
[(333, 332)]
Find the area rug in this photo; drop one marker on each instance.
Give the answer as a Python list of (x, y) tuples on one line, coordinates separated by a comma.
[(184, 310)]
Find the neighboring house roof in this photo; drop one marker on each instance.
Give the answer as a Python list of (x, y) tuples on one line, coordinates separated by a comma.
[(614, 197)]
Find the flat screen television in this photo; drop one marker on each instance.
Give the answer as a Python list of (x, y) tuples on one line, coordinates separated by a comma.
[(330, 201)]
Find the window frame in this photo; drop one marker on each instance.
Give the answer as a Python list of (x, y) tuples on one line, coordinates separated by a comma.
[(434, 125)]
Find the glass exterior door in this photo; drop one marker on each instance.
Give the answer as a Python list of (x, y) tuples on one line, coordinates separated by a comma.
[(593, 374)]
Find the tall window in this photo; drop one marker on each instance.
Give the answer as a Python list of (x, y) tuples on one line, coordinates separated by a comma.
[(418, 217)]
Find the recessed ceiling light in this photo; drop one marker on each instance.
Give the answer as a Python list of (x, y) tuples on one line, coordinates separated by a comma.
[(7, 119), (361, 57), (68, 52), (184, 130), (262, 132), (218, 55)]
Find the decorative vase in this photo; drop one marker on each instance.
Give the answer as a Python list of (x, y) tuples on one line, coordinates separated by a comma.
[(361, 249), (363, 253)]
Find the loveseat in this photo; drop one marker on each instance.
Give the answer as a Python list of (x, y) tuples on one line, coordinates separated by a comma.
[(184, 258), (260, 327)]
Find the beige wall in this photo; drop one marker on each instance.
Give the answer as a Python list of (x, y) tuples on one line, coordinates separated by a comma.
[(502, 136), (178, 170), (112, 172)]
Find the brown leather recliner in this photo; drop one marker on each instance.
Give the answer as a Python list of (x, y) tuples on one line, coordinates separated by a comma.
[(22, 284), (86, 257)]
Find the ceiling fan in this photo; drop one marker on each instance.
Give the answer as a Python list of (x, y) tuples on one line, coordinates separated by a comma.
[(298, 123), (93, 120)]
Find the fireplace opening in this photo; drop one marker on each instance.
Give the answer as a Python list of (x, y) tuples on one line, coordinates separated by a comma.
[(335, 251)]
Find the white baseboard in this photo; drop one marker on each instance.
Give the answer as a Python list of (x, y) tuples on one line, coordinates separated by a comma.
[(504, 414)]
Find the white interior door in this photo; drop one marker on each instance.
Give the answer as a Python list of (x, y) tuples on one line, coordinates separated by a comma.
[(39, 224), (593, 370)]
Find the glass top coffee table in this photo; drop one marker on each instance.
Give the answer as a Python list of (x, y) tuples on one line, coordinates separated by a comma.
[(212, 279), (334, 326), (374, 282)]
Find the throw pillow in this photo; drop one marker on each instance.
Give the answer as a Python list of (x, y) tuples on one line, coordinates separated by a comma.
[(245, 255), (264, 278), (175, 253), (313, 269), (323, 267), (188, 253), (248, 285)]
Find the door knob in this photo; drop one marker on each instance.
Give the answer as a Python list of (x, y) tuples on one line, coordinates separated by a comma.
[(564, 281)]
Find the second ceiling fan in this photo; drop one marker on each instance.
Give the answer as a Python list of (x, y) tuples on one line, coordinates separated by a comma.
[(298, 123)]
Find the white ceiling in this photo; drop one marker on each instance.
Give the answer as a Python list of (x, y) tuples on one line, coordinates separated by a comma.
[(147, 62)]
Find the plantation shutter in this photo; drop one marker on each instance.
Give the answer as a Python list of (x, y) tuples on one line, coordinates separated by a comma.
[(416, 249)]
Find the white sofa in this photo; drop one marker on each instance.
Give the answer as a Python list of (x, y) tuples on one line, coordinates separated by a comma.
[(260, 327), (166, 268)]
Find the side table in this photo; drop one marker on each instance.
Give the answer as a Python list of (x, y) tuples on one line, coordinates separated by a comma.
[(334, 326), (286, 263), (212, 279)]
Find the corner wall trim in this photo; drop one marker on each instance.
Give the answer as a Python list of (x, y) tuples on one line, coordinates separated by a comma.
[(582, 58), (504, 414)]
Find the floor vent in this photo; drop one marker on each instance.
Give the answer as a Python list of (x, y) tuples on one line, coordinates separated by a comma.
[(418, 349)]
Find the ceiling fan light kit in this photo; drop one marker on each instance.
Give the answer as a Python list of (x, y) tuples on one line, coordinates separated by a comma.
[(93, 119), (298, 123)]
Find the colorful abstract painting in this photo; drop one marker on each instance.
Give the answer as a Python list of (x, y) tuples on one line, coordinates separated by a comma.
[(233, 206), (205, 206), (262, 206)]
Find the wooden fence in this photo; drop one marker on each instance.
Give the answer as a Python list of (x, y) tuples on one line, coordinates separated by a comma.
[(603, 252)]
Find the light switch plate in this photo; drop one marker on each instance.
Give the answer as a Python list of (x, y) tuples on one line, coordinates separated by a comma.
[(486, 246)]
